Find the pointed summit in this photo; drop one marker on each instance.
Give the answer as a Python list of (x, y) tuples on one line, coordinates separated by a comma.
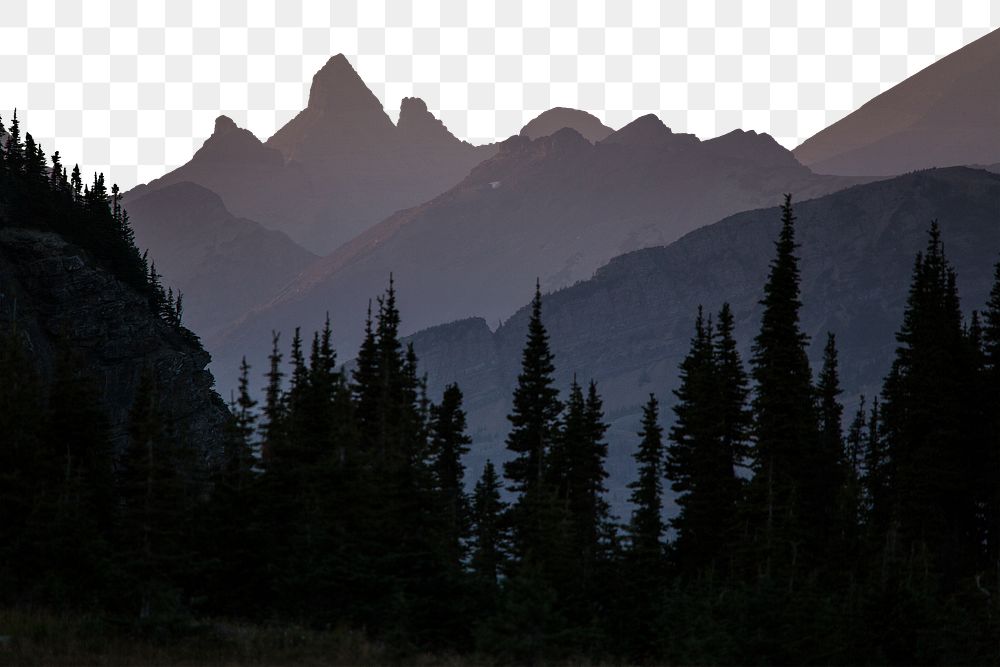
[(553, 120), (225, 124), (648, 131), (418, 125), (337, 87), (231, 143), (343, 116)]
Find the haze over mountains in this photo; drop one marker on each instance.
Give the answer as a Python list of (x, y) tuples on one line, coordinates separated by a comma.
[(556, 208), (223, 264), (947, 114), (630, 325), (466, 230), (338, 167)]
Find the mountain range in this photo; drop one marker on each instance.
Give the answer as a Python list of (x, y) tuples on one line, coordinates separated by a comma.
[(630, 325), (336, 168), (225, 265), (554, 208), (271, 235)]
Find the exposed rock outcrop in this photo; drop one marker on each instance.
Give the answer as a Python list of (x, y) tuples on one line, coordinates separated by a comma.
[(62, 301)]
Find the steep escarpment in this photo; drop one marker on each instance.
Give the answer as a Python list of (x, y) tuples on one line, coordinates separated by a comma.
[(61, 301)]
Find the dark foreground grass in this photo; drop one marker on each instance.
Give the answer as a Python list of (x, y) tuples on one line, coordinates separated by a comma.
[(39, 637)]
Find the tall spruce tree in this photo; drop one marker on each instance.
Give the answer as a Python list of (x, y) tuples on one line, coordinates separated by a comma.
[(734, 387), (488, 534), (646, 526), (535, 416), (449, 443), (931, 458), (698, 464), (788, 507)]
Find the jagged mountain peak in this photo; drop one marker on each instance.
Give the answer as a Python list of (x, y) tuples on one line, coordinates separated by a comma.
[(224, 124), (337, 86), (417, 123), (230, 142), (343, 116)]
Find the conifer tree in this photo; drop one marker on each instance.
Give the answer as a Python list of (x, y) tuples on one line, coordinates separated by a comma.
[(734, 388), (239, 459), (587, 503), (534, 430), (536, 407), (271, 425), (449, 443), (56, 175), (487, 557), (34, 159), (646, 526), (365, 386), (788, 508), (854, 451), (14, 150), (930, 455), (76, 180), (831, 412), (643, 566), (875, 473), (831, 415), (698, 464)]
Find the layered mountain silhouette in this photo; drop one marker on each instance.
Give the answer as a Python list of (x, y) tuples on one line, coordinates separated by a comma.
[(629, 326), (556, 208), (549, 122), (338, 167), (947, 114), (223, 264)]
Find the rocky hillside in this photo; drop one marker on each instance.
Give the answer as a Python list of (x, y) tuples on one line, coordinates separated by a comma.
[(64, 301), (629, 326), (224, 265)]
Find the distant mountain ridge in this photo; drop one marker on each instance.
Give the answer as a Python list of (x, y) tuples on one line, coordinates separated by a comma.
[(338, 167), (556, 207), (223, 264), (557, 118), (947, 114), (629, 326)]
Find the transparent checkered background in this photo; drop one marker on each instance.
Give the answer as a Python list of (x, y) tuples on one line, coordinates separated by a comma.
[(132, 87)]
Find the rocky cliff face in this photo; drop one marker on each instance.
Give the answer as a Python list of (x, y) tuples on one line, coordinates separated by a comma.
[(61, 300)]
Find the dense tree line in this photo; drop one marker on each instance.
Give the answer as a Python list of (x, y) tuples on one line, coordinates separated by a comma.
[(39, 193), (342, 499)]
